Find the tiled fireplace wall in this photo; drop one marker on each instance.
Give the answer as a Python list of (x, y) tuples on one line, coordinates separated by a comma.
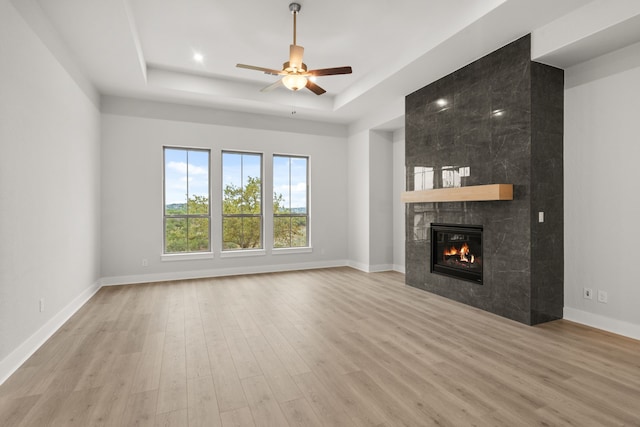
[(502, 118)]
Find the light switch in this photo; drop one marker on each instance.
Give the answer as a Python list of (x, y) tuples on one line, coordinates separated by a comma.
[(540, 216)]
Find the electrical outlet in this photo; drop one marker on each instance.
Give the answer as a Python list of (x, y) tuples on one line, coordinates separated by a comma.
[(41, 305), (603, 297), (145, 262), (587, 293)]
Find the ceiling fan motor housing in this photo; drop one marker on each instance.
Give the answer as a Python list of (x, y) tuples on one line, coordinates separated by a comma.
[(287, 67)]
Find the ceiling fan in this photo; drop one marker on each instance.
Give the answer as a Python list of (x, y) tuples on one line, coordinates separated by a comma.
[(295, 73)]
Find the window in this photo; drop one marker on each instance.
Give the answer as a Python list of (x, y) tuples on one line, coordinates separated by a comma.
[(241, 201), (187, 215), (290, 202)]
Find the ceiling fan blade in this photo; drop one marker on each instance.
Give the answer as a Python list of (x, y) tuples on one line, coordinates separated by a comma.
[(314, 88), (264, 70), (295, 56), (330, 71), (272, 86)]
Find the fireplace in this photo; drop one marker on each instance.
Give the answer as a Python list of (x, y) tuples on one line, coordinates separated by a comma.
[(456, 251)]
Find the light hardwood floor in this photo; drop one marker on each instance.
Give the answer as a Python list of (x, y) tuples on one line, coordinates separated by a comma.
[(332, 347)]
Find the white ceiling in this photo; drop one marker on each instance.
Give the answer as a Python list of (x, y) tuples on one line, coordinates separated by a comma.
[(144, 48)]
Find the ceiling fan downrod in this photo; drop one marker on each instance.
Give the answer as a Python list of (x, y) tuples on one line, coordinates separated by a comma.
[(294, 8)]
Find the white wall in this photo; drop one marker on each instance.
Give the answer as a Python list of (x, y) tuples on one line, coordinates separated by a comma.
[(398, 207), (49, 192), (358, 200), (381, 201), (602, 193), (371, 201), (132, 191)]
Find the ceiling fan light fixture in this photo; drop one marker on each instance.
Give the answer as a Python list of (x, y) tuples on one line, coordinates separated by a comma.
[(295, 72), (294, 81)]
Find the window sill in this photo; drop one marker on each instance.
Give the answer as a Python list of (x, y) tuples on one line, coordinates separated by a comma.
[(287, 251), (186, 257), (241, 253)]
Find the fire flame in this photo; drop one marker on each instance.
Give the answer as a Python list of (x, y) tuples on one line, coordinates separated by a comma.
[(463, 253)]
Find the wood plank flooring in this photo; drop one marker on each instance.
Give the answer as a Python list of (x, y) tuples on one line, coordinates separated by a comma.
[(333, 347)]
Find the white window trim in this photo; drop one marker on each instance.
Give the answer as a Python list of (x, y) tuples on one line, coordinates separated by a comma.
[(287, 251), (187, 256), (304, 249), (237, 253), (242, 253), (180, 256)]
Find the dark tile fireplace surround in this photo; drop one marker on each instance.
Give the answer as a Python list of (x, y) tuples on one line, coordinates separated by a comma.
[(497, 120)]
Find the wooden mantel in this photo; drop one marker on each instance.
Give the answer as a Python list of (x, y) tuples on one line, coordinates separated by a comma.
[(474, 193)]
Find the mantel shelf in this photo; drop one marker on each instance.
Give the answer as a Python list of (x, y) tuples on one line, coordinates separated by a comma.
[(474, 193)]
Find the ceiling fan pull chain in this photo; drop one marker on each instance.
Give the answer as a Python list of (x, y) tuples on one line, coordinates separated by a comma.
[(293, 104)]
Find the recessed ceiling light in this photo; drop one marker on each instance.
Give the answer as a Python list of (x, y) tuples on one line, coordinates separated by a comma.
[(441, 102), (198, 57)]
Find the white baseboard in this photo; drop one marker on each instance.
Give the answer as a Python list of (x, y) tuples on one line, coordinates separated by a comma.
[(370, 268), (16, 358), (199, 274), (399, 268), (376, 268), (358, 266), (598, 321)]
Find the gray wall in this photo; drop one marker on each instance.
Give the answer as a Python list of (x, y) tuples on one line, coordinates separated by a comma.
[(133, 134), (507, 128), (49, 192), (601, 152)]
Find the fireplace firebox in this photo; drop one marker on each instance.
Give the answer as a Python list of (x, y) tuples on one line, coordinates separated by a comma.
[(456, 251)]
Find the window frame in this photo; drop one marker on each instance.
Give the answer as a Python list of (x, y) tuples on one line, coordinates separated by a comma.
[(170, 256), (224, 253), (306, 215)]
